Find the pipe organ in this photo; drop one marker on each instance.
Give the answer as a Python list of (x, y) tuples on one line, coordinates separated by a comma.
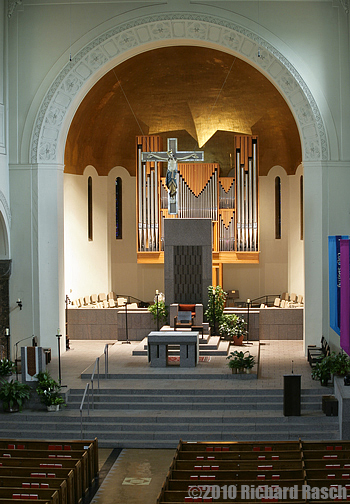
[(232, 203)]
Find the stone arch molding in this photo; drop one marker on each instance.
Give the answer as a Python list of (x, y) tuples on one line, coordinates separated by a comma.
[(128, 36)]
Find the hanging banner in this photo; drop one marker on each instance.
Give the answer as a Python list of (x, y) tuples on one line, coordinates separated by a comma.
[(334, 280), (345, 295)]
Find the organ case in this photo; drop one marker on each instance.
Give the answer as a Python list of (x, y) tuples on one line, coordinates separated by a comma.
[(232, 203)]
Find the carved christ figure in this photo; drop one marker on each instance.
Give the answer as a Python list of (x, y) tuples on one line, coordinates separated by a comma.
[(171, 157)]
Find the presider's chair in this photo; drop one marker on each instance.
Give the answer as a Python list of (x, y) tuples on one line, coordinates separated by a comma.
[(186, 315)]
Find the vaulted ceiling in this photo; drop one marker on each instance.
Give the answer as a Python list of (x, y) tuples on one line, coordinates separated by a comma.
[(201, 96)]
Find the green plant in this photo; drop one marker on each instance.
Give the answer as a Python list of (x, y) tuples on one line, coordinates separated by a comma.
[(13, 394), (161, 309), (239, 360), (340, 364), (232, 325), (322, 370), (48, 389), (235, 360), (249, 361), (7, 367), (216, 304)]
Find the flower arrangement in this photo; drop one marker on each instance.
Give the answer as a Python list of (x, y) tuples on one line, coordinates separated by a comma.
[(233, 328)]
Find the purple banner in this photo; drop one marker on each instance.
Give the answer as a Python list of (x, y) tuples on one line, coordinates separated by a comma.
[(345, 295)]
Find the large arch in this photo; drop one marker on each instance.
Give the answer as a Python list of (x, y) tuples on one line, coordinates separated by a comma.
[(119, 43), (66, 92)]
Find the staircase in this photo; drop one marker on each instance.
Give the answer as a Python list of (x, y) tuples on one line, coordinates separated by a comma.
[(153, 418)]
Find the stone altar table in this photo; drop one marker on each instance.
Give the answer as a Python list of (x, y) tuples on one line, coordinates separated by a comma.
[(159, 341)]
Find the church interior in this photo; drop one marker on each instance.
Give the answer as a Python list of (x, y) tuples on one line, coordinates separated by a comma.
[(152, 150)]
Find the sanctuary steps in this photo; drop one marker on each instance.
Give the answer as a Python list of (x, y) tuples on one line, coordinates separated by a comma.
[(157, 418)]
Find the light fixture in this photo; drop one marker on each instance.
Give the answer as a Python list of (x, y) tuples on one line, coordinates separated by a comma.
[(19, 302)]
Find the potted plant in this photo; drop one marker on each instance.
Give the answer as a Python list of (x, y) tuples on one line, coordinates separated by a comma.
[(238, 361), (234, 361), (13, 394), (216, 305), (233, 328), (159, 310), (7, 368), (249, 362), (48, 390), (340, 363), (322, 370)]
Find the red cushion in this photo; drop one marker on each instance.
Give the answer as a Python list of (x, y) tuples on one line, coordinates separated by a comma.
[(187, 307)]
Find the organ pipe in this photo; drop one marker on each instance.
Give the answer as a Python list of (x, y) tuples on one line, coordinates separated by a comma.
[(139, 170), (231, 202), (238, 209)]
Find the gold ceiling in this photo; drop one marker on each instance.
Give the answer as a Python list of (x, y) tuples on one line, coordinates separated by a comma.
[(200, 96)]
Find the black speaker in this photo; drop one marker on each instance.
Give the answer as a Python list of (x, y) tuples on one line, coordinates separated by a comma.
[(292, 395)]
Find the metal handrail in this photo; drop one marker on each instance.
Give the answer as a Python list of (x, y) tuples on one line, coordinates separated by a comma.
[(86, 391), (105, 351), (97, 363), (261, 298)]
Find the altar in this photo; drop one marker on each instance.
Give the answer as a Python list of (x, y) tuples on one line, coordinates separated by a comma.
[(160, 341)]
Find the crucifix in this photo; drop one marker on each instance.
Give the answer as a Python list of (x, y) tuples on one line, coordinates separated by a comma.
[(172, 156)]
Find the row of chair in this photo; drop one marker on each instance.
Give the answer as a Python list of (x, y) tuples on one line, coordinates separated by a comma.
[(47, 471), (315, 354), (288, 301), (102, 301)]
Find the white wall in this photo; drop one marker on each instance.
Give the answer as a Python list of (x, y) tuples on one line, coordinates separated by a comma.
[(281, 264), (112, 264), (86, 262), (295, 243)]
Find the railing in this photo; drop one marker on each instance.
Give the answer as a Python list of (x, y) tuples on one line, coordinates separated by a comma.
[(97, 363), (263, 299), (258, 364), (87, 388), (105, 351), (133, 299), (86, 391)]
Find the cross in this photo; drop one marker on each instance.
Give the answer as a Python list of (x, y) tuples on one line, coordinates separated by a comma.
[(172, 156)]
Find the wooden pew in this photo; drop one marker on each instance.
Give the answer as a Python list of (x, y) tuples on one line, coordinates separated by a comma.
[(23, 501), (45, 495), (256, 446), (45, 466), (239, 455), (25, 475), (237, 465), (51, 459), (25, 485), (90, 446)]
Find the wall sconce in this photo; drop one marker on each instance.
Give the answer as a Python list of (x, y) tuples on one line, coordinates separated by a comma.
[(19, 302)]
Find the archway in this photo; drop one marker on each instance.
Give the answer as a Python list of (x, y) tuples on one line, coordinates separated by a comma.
[(120, 43)]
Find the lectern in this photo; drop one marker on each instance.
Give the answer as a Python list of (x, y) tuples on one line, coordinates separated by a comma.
[(292, 395)]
